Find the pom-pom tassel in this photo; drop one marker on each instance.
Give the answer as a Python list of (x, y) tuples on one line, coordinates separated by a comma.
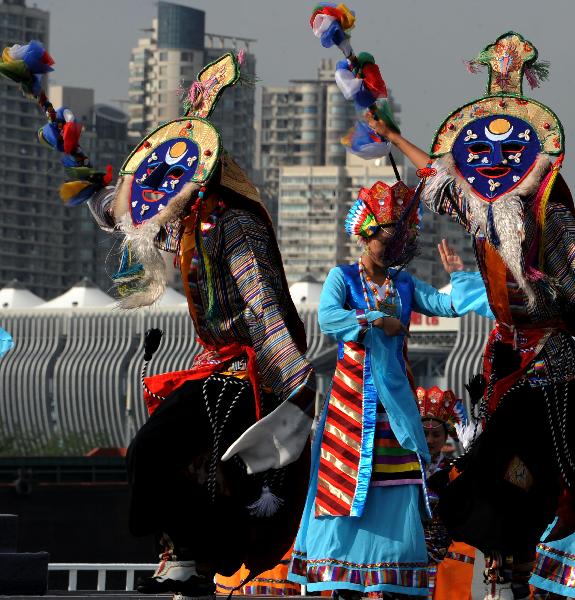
[(537, 72), (266, 505), (532, 78)]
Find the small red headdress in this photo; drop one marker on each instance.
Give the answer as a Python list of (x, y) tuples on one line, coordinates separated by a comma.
[(443, 406)]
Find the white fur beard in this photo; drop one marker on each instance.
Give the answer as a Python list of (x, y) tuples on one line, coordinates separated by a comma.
[(141, 242), (508, 218)]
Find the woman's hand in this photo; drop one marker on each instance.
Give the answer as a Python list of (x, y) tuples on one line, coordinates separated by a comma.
[(391, 326), (450, 259)]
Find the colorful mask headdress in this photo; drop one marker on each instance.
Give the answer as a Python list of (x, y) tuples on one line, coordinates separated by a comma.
[(167, 170), (504, 146), (441, 407)]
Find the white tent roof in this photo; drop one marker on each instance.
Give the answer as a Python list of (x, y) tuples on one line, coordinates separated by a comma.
[(171, 298), (306, 292), (84, 294), (15, 295)]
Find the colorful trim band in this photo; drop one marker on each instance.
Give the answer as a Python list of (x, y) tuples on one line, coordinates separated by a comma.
[(404, 575)]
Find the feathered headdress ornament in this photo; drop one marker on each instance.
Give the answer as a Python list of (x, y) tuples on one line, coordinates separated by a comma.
[(380, 205)]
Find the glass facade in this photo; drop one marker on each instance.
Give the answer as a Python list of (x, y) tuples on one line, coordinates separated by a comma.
[(180, 26)]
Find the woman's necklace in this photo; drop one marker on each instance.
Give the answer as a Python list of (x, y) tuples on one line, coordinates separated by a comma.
[(387, 303)]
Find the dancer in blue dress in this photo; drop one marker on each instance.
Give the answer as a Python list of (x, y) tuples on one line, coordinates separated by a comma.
[(361, 529)]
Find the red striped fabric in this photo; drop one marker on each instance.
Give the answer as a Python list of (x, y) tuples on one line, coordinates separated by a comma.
[(341, 441)]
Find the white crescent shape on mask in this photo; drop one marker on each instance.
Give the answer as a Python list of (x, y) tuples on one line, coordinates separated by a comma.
[(497, 137)]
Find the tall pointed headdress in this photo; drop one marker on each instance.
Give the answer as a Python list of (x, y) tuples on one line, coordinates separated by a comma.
[(176, 159), (508, 60)]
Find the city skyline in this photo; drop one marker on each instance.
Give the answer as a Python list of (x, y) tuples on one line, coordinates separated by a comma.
[(420, 49)]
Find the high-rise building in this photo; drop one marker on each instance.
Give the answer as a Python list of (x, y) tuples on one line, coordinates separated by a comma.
[(45, 245), (91, 252), (313, 203), (302, 124), (167, 61), (34, 225)]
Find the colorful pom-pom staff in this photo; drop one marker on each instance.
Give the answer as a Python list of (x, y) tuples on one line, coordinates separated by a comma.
[(26, 65), (359, 79)]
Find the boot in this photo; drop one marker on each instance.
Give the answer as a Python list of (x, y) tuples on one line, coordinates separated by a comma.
[(178, 576)]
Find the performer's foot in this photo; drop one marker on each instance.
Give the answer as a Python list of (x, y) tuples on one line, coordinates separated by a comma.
[(178, 576)]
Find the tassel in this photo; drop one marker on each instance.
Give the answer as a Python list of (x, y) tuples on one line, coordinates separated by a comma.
[(266, 505), (152, 339), (536, 73), (531, 77), (534, 274), (71, 189), (492, 231), (467, 434), (476, 388), (472, 67)]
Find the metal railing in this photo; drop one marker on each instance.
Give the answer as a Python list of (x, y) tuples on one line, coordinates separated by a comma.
[(102, 569)]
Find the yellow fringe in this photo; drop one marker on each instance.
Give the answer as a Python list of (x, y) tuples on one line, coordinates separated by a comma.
[(542, 216)]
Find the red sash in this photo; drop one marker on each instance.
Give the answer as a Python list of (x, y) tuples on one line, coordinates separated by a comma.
[(165, 383)]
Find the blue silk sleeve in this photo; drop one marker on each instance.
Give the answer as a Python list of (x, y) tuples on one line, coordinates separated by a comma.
[(431, 302), (468, 294), (336, 321)]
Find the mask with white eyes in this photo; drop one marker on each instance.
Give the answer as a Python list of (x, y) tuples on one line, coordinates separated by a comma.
[(161, 175), (495, 154)]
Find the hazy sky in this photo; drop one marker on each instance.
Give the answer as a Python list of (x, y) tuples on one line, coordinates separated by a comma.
[(419, 44)]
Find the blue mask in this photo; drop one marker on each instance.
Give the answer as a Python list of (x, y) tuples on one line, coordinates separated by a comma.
[(494, 154), (161, 175)]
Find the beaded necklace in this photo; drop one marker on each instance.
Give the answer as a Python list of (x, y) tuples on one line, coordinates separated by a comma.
[(387, 303)]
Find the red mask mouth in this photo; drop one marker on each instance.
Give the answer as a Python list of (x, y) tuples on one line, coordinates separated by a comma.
[(153, 195), (493, 172)]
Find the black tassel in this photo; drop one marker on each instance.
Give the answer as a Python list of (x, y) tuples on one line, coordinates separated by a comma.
[(476, 388), (152, 339)]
